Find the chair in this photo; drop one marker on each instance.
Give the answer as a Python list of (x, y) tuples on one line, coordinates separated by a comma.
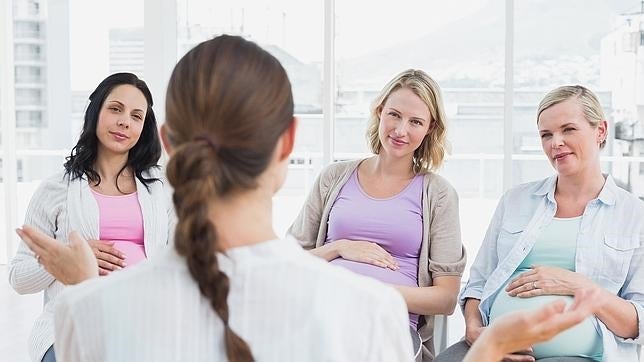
[(440, 333)]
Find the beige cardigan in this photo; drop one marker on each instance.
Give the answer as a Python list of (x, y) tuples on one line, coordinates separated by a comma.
[(441, 252)]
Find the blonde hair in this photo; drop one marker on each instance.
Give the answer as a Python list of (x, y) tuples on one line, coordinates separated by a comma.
[(590, 103), (431, 152)]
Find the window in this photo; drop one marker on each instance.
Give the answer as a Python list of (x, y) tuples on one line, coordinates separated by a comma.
[(27, 29), (28, 97), (28, 74), (27, 52), (292, 32), (26, 8), (572, 49), (373, 44), (29, 119)]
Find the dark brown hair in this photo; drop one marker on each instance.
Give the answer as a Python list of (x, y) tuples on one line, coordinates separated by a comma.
[(228, 102)]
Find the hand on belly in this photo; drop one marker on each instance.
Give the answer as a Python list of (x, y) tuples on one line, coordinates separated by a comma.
[(365, 252), (134, 253), (547, 280), (108, 256)]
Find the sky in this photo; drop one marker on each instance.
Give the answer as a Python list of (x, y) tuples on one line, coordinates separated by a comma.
[(295, 25)]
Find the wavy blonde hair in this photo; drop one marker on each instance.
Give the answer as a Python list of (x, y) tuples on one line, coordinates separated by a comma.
[(431, 152)]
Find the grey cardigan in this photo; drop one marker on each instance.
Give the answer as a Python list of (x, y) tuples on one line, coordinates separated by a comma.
[(441, 253)]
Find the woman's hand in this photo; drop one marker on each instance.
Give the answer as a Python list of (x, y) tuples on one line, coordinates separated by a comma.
[(548, 280), (69, 264), (473, 333), (108, 257), (366, 252)]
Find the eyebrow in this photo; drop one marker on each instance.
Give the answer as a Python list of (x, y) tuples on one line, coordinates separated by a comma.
[(562, 126), (413, 117), (123, 105)]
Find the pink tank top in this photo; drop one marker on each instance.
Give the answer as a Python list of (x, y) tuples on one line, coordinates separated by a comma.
[(121, 220)]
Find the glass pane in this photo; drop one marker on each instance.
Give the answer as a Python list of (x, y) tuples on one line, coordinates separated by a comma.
[(292, 31), (600, 48), (373, 44), (59, 46)]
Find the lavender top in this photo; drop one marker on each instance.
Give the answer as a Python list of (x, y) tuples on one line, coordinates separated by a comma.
[(395, 223)]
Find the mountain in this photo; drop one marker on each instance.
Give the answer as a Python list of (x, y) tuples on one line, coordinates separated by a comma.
[(561, 34)]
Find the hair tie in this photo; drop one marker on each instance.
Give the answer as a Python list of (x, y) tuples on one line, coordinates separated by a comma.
[(208, 141)]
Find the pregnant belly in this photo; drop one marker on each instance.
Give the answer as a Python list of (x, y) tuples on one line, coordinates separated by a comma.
[(134, 253), (406, 275), (583, 340)]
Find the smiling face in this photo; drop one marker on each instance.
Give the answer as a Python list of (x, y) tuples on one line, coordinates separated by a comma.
[(571, 143), (120, 121), (404, 122)]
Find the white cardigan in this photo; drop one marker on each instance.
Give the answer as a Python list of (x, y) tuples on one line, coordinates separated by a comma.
[(59, 206)]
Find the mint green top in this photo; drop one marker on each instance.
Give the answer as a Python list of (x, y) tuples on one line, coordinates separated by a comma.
[(555, 246)]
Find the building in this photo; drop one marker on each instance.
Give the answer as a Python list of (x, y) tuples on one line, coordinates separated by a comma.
[(622, 69), (43, 111), (127, 50)]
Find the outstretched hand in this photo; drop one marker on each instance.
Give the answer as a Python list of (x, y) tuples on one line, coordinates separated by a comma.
[(69, 264)]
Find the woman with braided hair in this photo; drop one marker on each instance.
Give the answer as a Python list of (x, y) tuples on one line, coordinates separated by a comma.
[(231, 289)]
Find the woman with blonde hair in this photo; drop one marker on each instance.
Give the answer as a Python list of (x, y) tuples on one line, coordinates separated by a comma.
[(389, 216), (230, 289), (573, 230)]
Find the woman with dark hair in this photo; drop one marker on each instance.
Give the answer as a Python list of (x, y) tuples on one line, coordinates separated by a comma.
[(110, 192), (231, 289)]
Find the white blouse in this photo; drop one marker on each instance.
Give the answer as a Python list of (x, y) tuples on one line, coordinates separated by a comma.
[(285, 303)]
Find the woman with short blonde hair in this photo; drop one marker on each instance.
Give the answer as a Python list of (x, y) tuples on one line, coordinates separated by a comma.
[(591, 106), (573, 230)]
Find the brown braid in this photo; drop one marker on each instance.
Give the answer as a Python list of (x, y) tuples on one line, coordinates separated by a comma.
[(228, 103), (192, 172)]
